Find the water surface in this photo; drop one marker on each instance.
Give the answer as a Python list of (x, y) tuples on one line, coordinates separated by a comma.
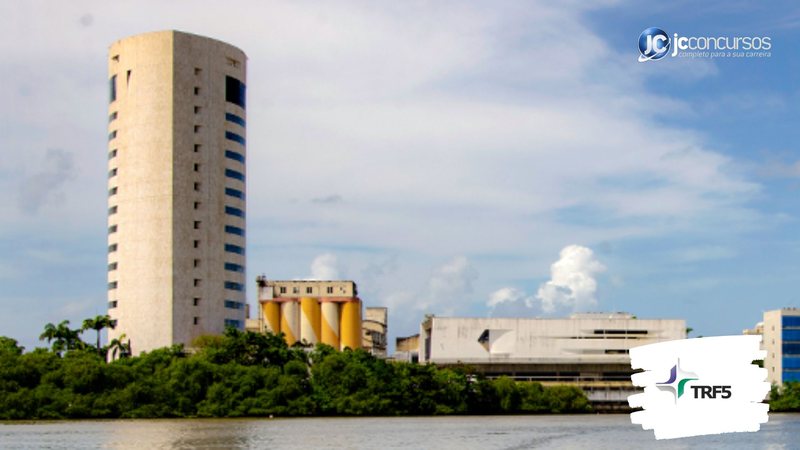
[(472, 432)]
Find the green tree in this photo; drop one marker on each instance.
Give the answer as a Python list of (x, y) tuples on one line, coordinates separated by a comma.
[(98, 323), (62, 336)]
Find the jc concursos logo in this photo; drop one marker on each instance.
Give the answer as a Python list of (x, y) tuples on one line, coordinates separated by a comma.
[(653, 44)]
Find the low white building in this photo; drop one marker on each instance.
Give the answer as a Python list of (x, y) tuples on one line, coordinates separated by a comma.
[(581, 338), (587, 350)]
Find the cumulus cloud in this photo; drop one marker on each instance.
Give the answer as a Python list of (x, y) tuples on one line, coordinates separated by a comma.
[(44, 185), (325, 267), (572, 284), (507, 295)]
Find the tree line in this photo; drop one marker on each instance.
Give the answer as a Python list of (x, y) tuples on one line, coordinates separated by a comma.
[(242, 374)]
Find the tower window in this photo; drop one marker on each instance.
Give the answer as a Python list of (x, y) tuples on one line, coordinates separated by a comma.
[(196, 224), (196, 205), (196, 186), (196, 244), (234, 91), (330, 289), (112, 191), (197, 167), (197, 70), (196, 148), (196, 282), (196, 90), (196, 263), (197, 110), (197, 128), (112, 87), (309, 290), (196, 301), (283, 289), (112, 229), (196, 320)]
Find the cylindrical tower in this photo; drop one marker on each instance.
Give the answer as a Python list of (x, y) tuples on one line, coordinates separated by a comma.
[(329, 324), (351, 325), (309, 320), (271, 311), (290, 320), (176, 188)]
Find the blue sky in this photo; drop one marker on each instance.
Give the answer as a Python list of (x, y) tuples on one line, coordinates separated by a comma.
[(443, 155)]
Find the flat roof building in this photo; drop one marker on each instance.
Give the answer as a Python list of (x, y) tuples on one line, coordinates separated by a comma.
[(780, 332), (176, 188), (589, 350)]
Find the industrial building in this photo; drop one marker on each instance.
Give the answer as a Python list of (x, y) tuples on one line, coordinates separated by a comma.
[(406, 349), (589, 350), (176, 188), (311, 312), (780, 331), (375, 330)]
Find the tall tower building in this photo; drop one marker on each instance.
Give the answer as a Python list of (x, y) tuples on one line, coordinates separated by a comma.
[(176, 188)]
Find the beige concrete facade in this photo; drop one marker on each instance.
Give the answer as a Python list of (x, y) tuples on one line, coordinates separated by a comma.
[(375, 330), (176, 188), (582, 338)]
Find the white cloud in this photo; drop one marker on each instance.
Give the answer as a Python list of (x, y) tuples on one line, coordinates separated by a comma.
[(325, 267), (572, 284)]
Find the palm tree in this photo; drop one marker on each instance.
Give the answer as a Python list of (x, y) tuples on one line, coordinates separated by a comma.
[(97, 324), (119, 345), (49, 334), (62, 336)]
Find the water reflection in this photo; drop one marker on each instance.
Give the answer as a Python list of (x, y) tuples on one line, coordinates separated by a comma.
[(501, 432)]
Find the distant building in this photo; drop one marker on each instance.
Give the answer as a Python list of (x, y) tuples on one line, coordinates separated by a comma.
[(407, 349), (780, 332), (588, 350), (375, 329), (311, 312), (176, 188)]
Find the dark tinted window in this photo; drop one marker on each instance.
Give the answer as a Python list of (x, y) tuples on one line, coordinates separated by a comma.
[(234, 91), (112, 89), (234, 193), (234, 118), (230, 154)]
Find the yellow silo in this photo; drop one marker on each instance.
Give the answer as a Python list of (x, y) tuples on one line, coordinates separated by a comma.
[(329, 324), (350, 327), (271, 312), (290, 320), (309, 320)]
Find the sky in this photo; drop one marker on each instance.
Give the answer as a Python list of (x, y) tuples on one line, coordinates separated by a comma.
[(453, 158)]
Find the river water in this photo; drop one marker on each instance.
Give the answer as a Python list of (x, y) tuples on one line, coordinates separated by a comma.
[(474, 432)]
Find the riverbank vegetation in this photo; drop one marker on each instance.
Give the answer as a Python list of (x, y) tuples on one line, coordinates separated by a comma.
[(785, 398), (245, 374)]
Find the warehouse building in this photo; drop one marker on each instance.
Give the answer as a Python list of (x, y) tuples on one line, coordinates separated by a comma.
[(589, 350)]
